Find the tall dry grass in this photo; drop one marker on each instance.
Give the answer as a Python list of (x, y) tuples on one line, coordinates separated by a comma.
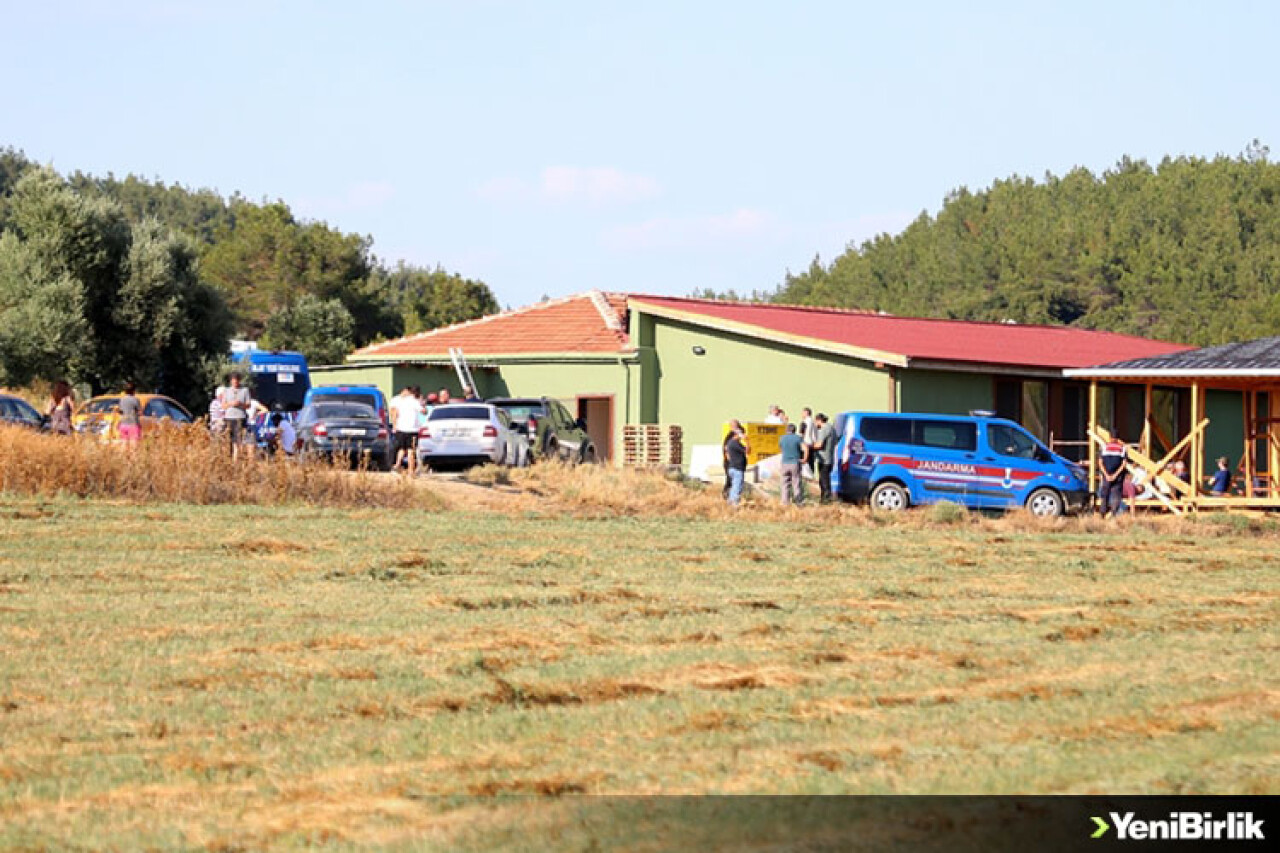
[(185, 465)]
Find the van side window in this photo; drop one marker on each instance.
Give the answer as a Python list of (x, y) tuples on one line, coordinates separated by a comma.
[(948, 435), (1008, 441), (892, 430)]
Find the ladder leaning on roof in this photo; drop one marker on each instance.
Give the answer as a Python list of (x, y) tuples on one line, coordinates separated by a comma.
[(463, 370)]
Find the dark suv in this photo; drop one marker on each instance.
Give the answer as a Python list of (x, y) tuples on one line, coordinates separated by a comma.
[(553, 432)]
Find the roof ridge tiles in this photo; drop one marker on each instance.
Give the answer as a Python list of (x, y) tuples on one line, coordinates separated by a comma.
[(373, 349)]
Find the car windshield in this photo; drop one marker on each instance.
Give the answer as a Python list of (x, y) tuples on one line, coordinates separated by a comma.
[(343, 410), (522, 410), (101, 407), (454, 412)]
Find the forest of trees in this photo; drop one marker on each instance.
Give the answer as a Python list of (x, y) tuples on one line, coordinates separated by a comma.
[(106, 279), (1187, 251)]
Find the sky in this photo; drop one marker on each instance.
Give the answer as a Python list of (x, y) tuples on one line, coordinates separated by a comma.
[(548, 148)]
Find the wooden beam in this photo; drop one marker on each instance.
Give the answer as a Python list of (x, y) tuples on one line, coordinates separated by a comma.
[(1147, 422), (1273, 445), (1197, 445), (1093, 426), (1177, 448)]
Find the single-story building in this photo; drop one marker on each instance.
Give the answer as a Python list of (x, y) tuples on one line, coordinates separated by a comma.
[(631, 359)]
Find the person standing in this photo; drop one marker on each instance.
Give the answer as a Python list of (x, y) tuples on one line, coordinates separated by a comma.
[(735, 426), (1112, 491), (735, 464), (216, 423), (235, 411), (60, 408), (130, 417), (443, 397), (825, 451), (405, 412), (774, 416), (793, 457), (809, 435)]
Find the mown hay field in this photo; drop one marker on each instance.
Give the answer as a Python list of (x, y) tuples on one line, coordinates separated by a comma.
[(228, 676)]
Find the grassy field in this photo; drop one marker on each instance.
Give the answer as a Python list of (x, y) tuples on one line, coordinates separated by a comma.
[(226, 677)]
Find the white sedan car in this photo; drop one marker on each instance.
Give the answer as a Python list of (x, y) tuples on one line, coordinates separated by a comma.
[(471, 434)]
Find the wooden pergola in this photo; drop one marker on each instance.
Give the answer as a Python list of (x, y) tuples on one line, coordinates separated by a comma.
[(1251, 369)]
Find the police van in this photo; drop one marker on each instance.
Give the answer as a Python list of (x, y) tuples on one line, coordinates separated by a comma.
[(893, 461)]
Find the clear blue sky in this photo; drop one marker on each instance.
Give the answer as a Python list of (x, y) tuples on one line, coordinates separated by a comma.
[(552, 147)]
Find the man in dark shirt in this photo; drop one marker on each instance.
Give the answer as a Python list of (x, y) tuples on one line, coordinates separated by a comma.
[(1112, 461), (735, 464), (1220, 485), (825, 449)]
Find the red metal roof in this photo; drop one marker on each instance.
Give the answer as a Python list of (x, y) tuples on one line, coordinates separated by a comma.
[(592, 322), (938, 340)]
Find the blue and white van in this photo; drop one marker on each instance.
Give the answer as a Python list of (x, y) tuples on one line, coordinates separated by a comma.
[(893, 461), (280, 379)]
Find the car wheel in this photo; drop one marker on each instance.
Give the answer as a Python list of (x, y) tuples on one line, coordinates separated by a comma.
[(1045, 503), (889, 497), (552, 448)]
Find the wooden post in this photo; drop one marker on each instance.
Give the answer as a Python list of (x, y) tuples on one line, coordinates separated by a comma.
[(1197, 445), (1250, 427), (1093, 446), (1273, 441), (1145, 441)]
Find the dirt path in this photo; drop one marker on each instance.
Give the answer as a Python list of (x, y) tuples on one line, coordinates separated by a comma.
[(467, 496)]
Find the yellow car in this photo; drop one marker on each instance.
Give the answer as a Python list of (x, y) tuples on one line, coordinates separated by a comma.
[(101, 415)]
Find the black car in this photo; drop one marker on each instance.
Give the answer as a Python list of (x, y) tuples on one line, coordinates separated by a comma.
[(15, 410), (553, 432), (331, 428)]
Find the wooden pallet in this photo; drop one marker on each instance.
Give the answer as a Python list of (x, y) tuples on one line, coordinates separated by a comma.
[(648, 445)]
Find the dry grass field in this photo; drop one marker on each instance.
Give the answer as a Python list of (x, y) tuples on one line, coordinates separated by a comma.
[(230, 677)]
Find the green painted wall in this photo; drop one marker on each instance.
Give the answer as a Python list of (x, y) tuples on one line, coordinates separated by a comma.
[(944, 392), (740, 377), (1224, 436), (380, 376)]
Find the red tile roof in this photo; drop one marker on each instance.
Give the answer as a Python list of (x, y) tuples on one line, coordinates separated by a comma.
[(596, 322), (592, 322), (1008, 344)]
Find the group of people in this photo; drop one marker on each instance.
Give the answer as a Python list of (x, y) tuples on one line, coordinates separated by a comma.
[(1116, 486), (810, 444), (409, 411), (62, 405)]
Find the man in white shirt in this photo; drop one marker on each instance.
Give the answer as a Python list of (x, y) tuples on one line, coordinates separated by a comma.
[(405, 413)]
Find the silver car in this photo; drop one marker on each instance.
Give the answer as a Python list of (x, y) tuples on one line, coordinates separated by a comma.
[(460, 434)]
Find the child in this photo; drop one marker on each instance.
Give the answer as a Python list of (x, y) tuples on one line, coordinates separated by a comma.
[(1221, 483)]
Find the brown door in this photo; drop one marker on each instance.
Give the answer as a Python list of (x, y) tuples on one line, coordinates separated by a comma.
[(597, 412)]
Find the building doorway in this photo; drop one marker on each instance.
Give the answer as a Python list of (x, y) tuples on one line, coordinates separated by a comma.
[(597, 414)]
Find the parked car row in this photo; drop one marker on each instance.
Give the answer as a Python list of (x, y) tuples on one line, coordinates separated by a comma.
[(353, 420)]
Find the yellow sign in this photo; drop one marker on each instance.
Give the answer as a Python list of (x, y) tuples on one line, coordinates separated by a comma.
[(762, 439)]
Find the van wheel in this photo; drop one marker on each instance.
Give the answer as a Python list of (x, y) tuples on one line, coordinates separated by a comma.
[(1045, 503), (889, 497)]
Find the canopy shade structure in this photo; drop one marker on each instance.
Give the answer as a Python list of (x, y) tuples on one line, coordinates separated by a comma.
[(1250, 370)]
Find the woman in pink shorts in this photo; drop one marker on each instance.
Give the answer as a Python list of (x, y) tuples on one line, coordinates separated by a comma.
[(130, 416)]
